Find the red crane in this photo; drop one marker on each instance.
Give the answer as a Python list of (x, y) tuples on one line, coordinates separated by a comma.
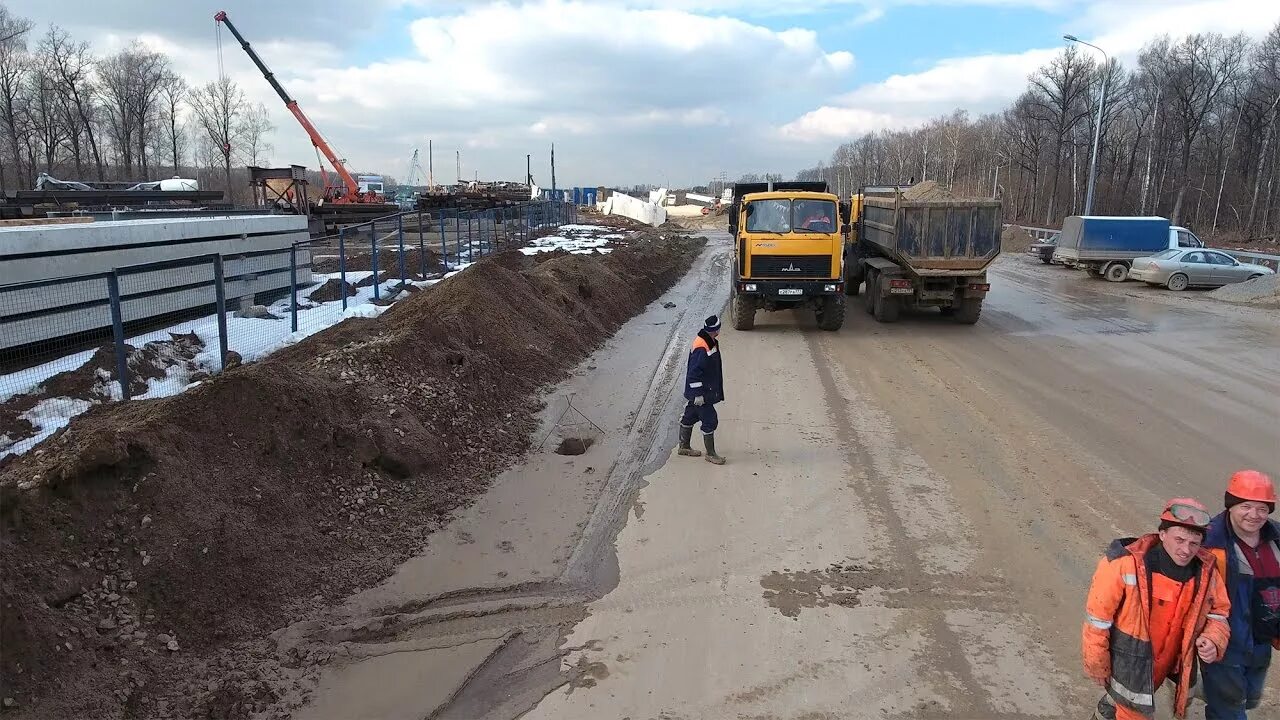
[(349, 191)]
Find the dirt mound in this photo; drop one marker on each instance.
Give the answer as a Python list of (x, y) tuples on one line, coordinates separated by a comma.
[(97, 381), (326, 261), (1262, 292), (164, 538), (1015, 239), (332, 290), (927, 190)]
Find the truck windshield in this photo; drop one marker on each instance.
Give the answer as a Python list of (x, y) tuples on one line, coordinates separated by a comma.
[(784, 216)]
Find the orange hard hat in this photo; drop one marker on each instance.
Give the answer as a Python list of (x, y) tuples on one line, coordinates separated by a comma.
[(1187, 512), (1252, 485)]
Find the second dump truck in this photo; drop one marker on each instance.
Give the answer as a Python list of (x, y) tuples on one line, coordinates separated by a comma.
[(921, 252)]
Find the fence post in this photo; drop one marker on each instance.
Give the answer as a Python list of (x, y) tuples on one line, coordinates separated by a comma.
[(444, 244), (422, 248), (342, 266), (221, 291), (400, 234), (293, 287), (373, 243), (117, 333), (457, 235)]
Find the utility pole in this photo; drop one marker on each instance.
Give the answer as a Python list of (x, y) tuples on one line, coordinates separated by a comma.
[(553, 170), (528, 169), (458, 154), (431, 166), (1097, 126)]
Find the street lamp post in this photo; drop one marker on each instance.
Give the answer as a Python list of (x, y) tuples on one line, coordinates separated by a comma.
[(1097, 126)]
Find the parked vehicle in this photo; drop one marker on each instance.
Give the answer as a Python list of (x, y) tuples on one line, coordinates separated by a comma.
[(1107, 246), (922, 253), (1043, 249), (1181, 268)]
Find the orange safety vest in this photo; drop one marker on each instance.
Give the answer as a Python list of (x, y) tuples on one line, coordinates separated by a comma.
[(1120, 629)]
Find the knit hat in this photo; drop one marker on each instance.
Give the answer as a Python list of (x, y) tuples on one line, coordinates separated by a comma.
[(712, 324), (1229, 501)]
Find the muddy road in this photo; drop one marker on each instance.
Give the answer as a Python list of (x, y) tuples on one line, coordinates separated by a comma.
[(906, 527)]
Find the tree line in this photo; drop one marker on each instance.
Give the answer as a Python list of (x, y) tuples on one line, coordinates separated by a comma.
[(1189, 133), (122, 117)]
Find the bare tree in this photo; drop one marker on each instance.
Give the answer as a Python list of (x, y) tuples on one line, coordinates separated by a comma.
[(131, 82), (173, 94), (1059, 91), (219, 108), (1198, 70), (72, 64), (254, 128), (15, 66)]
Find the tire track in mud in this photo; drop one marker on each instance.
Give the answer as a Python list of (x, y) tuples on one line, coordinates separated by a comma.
[(883, 473), (538, 616)]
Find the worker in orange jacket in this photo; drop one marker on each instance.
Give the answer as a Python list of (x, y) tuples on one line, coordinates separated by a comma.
[(1157, 605)]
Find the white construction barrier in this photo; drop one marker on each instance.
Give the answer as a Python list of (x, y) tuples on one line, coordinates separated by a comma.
[(646, 212)]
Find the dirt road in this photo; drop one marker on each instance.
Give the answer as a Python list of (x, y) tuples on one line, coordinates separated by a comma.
[(906, 526)]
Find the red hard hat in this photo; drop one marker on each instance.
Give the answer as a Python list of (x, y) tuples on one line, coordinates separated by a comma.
[(1252, 485), (1187, 512)]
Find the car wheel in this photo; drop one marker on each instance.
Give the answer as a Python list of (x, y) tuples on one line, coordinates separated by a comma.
[(1255, 276), (1177, 282)]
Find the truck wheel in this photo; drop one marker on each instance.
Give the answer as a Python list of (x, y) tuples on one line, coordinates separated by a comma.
[(744, 312), (1046, 260), (1116, 272), (947, 311), (886, 308), (852, 280), (869, 299), (969, 311), (1178, 282), (831, 316)]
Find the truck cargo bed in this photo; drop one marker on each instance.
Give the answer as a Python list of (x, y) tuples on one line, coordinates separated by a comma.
[(932, 236)]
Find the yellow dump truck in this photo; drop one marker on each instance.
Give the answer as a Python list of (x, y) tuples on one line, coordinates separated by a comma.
[(788, 251)]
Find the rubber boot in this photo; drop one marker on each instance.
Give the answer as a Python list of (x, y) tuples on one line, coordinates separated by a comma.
[(686, 438), (709, 439)]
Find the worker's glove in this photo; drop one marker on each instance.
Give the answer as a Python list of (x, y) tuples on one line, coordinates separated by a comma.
[(699, 401)]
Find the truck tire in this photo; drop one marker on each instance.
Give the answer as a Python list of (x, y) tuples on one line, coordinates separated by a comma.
[(852, 280), (886, 308), (1046, 260), (744, 312), (1115, 272), (969, 311), (831, 316), (869, 299)]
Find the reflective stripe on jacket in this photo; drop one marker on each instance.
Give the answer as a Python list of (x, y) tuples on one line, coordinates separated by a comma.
[(704, 375), (1116, 638)]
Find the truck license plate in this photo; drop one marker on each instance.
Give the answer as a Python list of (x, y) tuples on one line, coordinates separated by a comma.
[(790, 291), (901, 291)]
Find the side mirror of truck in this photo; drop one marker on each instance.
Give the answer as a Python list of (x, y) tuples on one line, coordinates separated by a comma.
[(844, 229)]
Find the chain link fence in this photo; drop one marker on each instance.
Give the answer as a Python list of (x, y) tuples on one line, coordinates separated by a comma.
[(153, 330)]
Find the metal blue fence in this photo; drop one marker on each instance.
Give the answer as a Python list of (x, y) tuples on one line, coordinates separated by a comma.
[(151, 330)]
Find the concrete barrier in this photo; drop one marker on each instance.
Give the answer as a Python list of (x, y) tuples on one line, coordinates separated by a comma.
[(44, 296)]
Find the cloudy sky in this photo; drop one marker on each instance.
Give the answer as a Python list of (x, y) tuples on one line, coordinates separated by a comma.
[(630, 91)]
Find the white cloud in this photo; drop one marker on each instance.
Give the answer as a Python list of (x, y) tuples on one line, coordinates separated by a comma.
[(831, 123), (986, 83)]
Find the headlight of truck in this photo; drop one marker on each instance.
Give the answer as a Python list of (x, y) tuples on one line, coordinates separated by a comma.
[(749, 287), (829, 288)]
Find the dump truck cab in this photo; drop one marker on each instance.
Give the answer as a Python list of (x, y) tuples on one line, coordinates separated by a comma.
[(788, 251)]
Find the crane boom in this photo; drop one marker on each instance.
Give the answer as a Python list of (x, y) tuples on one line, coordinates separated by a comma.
[(353, 188)]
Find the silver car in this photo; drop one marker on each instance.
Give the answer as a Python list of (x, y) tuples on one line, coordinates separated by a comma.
[(1181, 268)]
